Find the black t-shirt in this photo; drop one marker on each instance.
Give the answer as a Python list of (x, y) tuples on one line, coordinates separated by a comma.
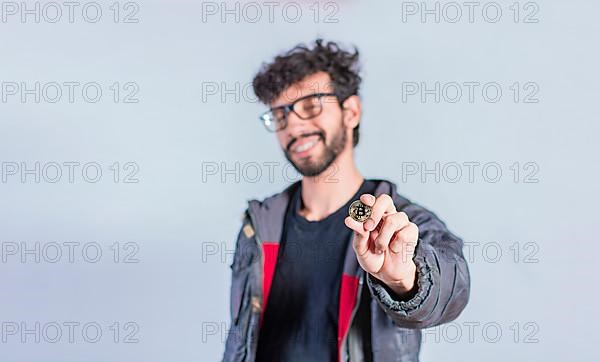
[(301, 318)]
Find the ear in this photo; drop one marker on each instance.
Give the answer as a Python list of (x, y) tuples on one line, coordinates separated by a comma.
[(352, 110)]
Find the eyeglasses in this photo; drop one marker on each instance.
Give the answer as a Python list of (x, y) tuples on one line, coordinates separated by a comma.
[(307, 107)]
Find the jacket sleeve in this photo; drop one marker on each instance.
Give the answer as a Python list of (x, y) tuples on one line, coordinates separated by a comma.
[(443, 280)]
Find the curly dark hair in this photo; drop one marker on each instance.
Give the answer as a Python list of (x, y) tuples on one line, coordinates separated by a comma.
[(301, 61)]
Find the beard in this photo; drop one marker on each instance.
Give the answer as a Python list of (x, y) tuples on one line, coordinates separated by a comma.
[(309, 167)]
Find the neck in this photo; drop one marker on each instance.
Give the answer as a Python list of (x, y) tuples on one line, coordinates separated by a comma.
[(324, 194)]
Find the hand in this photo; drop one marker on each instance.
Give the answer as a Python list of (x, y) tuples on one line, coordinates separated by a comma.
[(384, 244)]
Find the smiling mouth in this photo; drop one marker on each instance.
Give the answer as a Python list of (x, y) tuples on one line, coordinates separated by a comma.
[(307, 144)]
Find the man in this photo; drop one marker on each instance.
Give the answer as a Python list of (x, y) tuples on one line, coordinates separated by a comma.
[(309, 282)]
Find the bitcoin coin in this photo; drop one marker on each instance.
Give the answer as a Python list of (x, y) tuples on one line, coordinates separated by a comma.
[(359, 211)]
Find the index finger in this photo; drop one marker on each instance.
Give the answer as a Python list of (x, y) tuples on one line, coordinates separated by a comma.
[(379, 206)]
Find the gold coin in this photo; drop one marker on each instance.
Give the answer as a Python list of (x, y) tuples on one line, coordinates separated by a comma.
[(359, 211)]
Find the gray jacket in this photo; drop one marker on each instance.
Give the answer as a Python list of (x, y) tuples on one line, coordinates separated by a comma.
[(442, 276)]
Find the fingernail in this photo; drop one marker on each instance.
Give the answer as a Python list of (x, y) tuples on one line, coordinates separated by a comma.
[(369, 224)]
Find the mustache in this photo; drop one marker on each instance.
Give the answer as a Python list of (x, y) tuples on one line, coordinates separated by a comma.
[(319, 133)]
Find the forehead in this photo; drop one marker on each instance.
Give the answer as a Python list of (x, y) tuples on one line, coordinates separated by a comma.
[(315, 83)]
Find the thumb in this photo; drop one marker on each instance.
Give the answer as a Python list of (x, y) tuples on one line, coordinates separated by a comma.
[(360, 241)]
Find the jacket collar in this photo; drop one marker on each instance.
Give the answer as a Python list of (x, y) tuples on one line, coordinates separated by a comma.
[(268, 216)]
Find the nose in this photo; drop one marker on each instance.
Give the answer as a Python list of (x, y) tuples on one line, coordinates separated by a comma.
[(293, 121), (295, 127)]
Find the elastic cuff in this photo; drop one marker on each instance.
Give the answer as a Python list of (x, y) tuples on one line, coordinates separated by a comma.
[(424, 282)]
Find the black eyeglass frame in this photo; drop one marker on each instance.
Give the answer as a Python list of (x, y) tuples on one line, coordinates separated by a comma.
[(287, 108)]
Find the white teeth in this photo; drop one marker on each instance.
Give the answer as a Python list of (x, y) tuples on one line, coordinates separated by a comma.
[(305, 146)]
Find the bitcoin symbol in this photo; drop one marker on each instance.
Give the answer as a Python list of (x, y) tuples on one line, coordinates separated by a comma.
[(359, 211)]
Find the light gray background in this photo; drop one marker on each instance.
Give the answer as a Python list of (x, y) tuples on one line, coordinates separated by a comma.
[(177, 291)]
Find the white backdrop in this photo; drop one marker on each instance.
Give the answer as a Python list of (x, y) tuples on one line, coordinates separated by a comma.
[(120, 208)]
